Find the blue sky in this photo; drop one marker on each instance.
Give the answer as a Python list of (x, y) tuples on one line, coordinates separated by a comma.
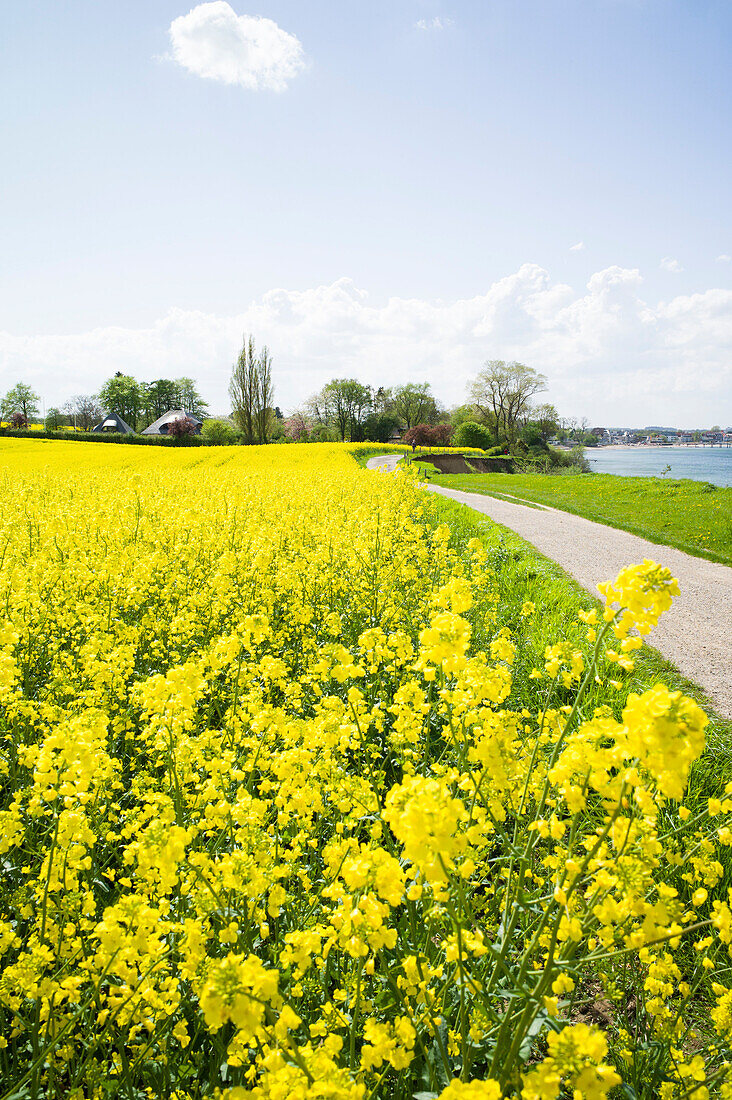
[(403, 207)]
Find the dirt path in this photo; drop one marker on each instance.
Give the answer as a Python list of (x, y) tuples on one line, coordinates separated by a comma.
[(695, 635)]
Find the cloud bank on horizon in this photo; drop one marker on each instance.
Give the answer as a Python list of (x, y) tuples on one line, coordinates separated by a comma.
[(608, 353), (215, 43)]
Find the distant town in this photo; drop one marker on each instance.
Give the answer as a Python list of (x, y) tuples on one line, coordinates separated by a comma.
[(654, 435)]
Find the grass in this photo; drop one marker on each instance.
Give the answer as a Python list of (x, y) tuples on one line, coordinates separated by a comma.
[(525, 574), (694, 516)]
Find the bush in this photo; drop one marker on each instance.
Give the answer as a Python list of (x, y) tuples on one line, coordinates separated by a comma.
[(218, 432), (428, 435), (472, 434), (532, 437), (569, 461), (182, 427)]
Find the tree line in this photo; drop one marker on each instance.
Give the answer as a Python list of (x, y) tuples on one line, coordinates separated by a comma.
[(500, 413), (347, 409), (137, 403)]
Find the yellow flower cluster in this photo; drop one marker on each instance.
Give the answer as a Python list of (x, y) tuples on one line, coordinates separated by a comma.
[(276, 821)]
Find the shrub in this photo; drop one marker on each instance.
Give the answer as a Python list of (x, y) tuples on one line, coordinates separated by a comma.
[(17, 420), (569, 461), (429, 435), (298, 427), (218, 432), (182, 427), (472, 434)]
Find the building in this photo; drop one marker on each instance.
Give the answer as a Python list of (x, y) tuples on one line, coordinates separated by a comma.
[(113, 423), (162, 424)]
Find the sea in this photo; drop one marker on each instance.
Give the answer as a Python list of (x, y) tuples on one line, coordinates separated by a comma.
[(698, 463)]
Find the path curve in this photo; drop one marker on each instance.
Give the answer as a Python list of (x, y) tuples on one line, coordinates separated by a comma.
[(695, 634), (385, 462)]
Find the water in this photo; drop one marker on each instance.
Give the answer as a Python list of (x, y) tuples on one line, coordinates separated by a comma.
[(698, 463)]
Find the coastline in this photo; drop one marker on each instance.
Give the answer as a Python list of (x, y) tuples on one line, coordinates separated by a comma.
[(659, 447)]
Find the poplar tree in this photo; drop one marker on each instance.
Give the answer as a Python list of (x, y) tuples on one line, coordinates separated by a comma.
[(251, 391)]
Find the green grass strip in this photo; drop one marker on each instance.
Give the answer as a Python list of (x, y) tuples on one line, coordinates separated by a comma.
[(694, 516)]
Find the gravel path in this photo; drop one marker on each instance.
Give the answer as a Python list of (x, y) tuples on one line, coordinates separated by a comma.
[(389, 462), (695, 635)]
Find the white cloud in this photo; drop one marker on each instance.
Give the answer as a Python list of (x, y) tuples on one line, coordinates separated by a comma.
[(668, 263), (609, 354), (579, 247), (213, 42), (434, 24), (724, 258)]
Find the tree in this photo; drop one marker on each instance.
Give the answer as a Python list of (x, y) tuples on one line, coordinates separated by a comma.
[(158, 398), (83, 411), (181, 428), (122, 395), (462, 413), (263, 394), (546, 419), (22, 399), (54, 420), (298, 427), (502, 391), (275, 427), (414, 404), (189, 399), (251, 392), (380, 427), (428, 435), (218, 432), (164, 394), (242, 389), (343, 402), (471, 434)]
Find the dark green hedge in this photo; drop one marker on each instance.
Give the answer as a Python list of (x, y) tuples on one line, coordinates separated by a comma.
[(106, 437)]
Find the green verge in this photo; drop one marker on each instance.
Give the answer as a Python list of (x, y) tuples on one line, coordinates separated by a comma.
[(694, 516), (523, 574)]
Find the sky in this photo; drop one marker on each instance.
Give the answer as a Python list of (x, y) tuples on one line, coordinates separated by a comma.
[(395, 191)]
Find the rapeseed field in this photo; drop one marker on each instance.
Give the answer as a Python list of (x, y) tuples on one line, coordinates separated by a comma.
[(275, 822)]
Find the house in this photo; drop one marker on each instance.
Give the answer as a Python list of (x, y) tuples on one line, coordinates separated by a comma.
[(113, 423), (162, 424)]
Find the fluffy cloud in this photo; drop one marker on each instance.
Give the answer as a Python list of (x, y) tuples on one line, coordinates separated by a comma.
[(434, 24), (668, 263), (579, 247), (609, 354), (212, 41), (724, 258)]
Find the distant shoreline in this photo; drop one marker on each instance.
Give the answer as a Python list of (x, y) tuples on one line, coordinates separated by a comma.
[(660, 447)]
